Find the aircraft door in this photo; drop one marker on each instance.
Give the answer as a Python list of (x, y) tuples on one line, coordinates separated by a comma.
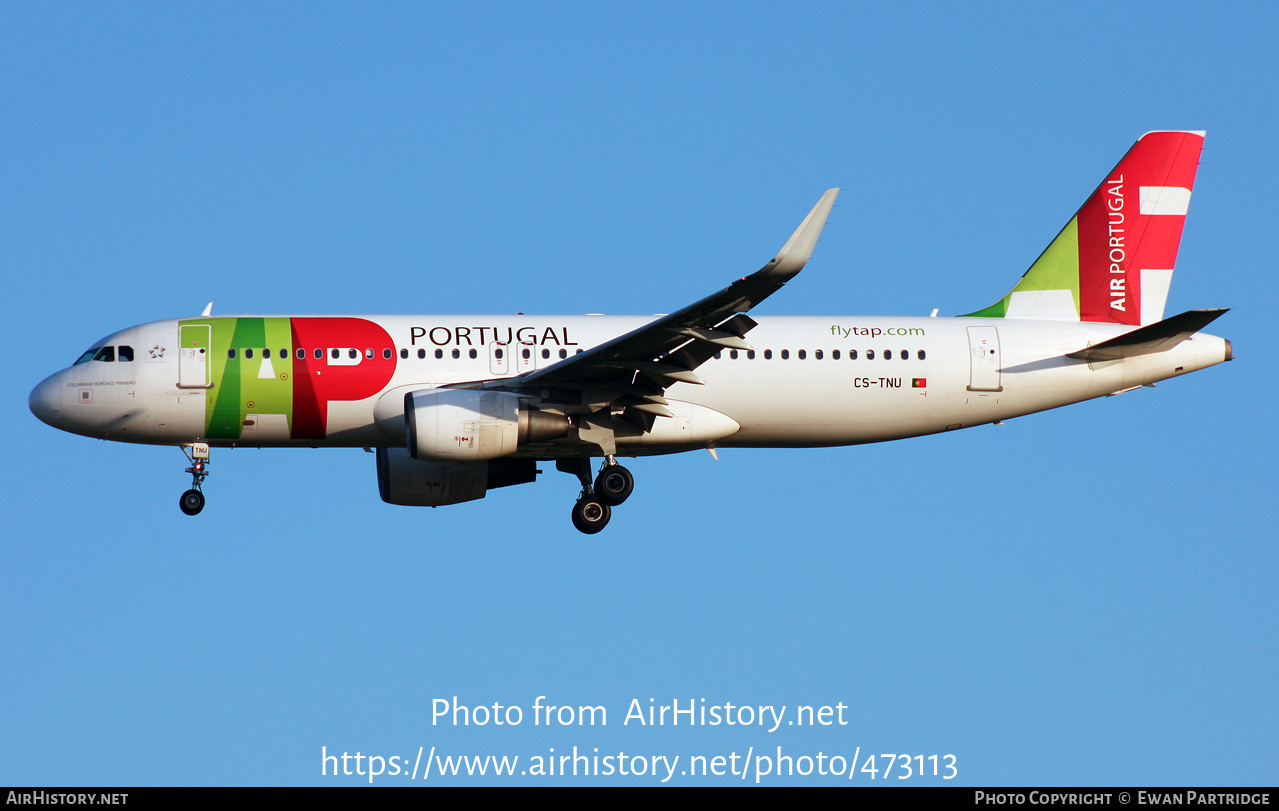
[(983, 352), (193, 356)]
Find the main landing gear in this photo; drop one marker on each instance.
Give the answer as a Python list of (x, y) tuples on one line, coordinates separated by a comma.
[(192, 501), (595, 504)]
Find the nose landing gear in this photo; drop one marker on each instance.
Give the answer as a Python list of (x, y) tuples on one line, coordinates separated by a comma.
[(192, 501), (594, 506)]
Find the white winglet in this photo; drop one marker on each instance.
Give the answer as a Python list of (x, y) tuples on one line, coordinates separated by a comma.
[(208, 310), (795, 253)]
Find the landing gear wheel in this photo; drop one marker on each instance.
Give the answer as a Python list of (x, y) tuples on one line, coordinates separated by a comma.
[(192, 502), (590, 515), (614, 485)]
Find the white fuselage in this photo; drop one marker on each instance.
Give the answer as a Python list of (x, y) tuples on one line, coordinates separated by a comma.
[(809, 381)]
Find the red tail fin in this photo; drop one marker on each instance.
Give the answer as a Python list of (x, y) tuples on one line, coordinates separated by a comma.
[(1113, 261)]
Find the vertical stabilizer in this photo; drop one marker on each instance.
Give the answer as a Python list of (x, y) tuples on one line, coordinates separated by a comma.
[(1113, 261)]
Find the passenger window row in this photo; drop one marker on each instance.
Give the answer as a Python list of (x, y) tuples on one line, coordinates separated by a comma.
[(108, 354), (498, 353), (351, 354), (819, 354), (336, 354)]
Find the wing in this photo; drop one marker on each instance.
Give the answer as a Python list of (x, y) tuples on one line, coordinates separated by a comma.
[(617, 386)]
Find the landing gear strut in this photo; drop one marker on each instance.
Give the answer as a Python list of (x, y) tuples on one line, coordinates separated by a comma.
[(611, 487), (192, 501)]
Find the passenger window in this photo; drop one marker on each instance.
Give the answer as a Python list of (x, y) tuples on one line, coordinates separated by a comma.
[(785, 354), (386, 354), (439, 354), (888, 354), (301, 353), (870, 354), (404, 353), (125, 353), (921, 354), (354, 354), (497, 353), (768, 354), (284, 353), (524, 353), (457, 353), (230, 353), (368, 354), (472, 354), (803, 354), (546, 353), (266, 353), (905, 354), (421, 354), (563, 354), (578, 352), (817, 354), (319, 354), (834, 355), (732, 353), (336, 353), (750, 354)]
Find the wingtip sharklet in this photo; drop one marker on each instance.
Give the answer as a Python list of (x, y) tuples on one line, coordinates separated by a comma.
[(797, 250)]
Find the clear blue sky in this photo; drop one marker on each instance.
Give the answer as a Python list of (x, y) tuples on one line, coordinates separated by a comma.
[(1085, 596)]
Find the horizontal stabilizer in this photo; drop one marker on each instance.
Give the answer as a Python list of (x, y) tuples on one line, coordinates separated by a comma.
[(1157, 337)]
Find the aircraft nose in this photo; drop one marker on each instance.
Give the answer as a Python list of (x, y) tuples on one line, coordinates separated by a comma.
[(46, 401)]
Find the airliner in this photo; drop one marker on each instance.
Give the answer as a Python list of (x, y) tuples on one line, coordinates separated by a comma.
[(454, 406)]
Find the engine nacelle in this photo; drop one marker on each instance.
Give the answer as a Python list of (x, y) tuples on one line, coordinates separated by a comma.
[(410, 482), (470, 425)]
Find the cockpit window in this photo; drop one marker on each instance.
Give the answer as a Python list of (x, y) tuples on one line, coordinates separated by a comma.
[(106, 354)]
